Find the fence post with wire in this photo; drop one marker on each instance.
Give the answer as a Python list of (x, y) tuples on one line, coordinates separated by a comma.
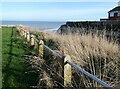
[(28, 36), (67, 75), (32, 41), (67, 72), (41, 48)]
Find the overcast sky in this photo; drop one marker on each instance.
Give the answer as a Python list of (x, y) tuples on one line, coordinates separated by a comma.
[(55, 11)]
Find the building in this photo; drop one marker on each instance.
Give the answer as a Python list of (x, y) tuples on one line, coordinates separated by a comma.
[(114, 14)]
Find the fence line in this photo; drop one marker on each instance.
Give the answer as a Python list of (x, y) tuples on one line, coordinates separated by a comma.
[(89, 75), (67, 62)]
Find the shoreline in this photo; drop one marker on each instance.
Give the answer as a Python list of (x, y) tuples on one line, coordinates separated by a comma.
[(32, 28), (36, 24)]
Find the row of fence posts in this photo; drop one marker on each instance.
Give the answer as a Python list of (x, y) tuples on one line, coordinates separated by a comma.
[(67, 68), (66, 60)]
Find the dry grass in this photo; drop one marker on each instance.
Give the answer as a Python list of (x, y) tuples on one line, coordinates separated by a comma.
[(94, 53)]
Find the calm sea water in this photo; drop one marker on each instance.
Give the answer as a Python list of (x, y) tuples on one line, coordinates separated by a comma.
[(35, 24)]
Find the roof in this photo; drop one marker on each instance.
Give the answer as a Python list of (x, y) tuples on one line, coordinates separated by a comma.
[(115, 9)]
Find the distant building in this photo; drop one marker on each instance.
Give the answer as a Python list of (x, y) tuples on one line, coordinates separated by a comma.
[(114, 14)]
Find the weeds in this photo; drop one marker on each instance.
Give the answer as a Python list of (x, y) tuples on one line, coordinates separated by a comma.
[(96, 54)]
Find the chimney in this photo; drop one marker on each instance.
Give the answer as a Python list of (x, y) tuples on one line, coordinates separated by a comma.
[(119, 3)]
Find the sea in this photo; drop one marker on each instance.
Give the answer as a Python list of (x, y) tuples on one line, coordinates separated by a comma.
[(46, 25)]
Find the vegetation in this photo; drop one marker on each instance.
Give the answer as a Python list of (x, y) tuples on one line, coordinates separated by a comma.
[(96, 54), (14, 68)]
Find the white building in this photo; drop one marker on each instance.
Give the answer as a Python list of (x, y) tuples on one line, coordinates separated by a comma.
[(114, 14)]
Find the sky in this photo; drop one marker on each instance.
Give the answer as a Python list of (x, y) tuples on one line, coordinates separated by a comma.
[(56, 11)]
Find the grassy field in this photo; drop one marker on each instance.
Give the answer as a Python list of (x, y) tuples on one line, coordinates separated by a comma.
[(13, 62)]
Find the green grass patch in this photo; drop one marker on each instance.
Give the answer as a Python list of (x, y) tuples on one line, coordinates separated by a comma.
[(13, 62)]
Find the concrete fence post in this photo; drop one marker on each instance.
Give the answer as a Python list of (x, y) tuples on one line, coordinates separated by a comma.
[(67, 72), (28, 36), (22, 32), (32, 41), (41, 48)]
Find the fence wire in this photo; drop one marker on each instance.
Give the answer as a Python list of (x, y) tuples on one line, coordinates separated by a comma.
[(55, 68)]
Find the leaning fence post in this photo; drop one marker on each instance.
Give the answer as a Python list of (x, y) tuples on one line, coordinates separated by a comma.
[(28, 36), (67, 72), (22, 33), (41, 48), (32, 41)]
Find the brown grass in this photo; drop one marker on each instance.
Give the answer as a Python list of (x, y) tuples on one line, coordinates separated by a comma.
[(94, 53)]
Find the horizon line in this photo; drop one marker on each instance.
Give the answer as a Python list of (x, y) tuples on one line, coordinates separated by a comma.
[(49, 21)]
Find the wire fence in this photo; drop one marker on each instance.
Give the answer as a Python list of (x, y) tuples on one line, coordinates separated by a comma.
[(67, 64)]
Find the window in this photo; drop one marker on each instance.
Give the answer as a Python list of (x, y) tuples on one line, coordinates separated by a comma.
[(119, 13), (111, 14), (115, 14)]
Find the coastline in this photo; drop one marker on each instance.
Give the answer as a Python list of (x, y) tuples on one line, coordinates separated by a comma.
[(33, 29), (44, 25)]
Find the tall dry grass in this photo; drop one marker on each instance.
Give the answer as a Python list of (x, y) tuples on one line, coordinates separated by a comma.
[(96, 54)]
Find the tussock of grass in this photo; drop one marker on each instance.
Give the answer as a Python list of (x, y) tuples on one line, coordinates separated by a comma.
[(94, 53)]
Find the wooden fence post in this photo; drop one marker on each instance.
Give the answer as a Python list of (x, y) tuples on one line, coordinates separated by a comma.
[(41, 48), (28, 36), (32, 41), (22, 32), (67, 72)]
